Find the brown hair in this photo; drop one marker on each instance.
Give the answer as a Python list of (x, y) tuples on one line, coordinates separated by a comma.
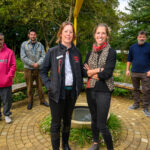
[(31, 30), (102, 25), (61, 29)]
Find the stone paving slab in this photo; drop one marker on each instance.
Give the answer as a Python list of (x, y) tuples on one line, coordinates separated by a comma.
[(24, 133)]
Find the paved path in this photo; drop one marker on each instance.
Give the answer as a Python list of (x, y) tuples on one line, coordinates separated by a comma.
[(24, 134)]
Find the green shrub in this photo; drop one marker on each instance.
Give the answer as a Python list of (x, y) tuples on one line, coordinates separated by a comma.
[(45, 124), (20, 65), (81, 136), (122, 92), (115, 127), (19, 96), (19, 77), (119, 73)]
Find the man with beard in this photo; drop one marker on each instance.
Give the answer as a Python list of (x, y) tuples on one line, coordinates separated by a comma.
[(7, 72), (139, 56), (32, 55)]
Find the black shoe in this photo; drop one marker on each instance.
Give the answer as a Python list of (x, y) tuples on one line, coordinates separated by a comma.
[(45, 104), (29, 107), (66, 147), (132, 107)]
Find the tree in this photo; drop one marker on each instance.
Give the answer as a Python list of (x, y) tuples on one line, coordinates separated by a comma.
[(45, 16), (137, 19), (92, 13)]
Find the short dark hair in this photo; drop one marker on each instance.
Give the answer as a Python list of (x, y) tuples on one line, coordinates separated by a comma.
[(142, 33), (31, 30), (1, 34)]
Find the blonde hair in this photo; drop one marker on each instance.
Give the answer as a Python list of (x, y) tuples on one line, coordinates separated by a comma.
[(61, 29)]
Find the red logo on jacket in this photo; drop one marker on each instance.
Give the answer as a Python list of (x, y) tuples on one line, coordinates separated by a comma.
[(76, 58)]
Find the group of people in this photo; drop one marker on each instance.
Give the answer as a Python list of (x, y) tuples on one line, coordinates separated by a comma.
[(64, 83)]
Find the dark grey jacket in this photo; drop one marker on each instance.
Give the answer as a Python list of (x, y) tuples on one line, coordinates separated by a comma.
[(54, 62)]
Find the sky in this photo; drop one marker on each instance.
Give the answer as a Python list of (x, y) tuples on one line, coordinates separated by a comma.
[(123, 4)]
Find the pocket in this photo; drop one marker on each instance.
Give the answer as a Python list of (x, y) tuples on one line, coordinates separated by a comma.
[(51, 94), (7, 80)]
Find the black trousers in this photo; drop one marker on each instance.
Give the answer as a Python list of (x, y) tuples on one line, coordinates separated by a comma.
[(99, 104), (6, 99), (61, 111)]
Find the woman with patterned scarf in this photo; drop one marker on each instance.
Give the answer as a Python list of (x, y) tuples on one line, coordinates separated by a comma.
[(98, 67)]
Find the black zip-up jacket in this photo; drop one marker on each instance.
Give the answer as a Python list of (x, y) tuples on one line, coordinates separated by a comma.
[(55, 63)]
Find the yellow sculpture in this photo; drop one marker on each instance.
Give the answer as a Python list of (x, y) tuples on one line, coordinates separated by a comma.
[(77, 8)]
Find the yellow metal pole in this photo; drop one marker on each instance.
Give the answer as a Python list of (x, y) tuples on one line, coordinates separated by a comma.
[(77, 8), (75, 29)]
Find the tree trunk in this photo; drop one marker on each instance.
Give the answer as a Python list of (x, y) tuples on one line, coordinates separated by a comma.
[(71, 10), (52, 39), (45, 36)]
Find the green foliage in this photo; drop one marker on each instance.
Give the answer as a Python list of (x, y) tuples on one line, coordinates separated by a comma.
[(45, 16), (92, 13), (19, 77), (45, 124), (19, 74), (122, 57), (137, 19), (113, 123), (115, 127), (20, 65), (19, 96), (119, 73), (120, 65), (83, 135), (122, 92), (44, 89)]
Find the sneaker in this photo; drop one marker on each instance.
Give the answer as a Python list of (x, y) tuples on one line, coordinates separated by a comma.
[(8, 119), (94, 147), (132, 107), (146, 112)]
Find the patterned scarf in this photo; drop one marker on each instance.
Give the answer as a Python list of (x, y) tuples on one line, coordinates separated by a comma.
[(99, 62)]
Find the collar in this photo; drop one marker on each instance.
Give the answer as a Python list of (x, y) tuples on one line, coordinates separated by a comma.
[(29, 42), (142, 44), (63, 47)]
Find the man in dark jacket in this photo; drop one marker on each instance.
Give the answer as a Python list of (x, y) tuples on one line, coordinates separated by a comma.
[(139, 56)]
